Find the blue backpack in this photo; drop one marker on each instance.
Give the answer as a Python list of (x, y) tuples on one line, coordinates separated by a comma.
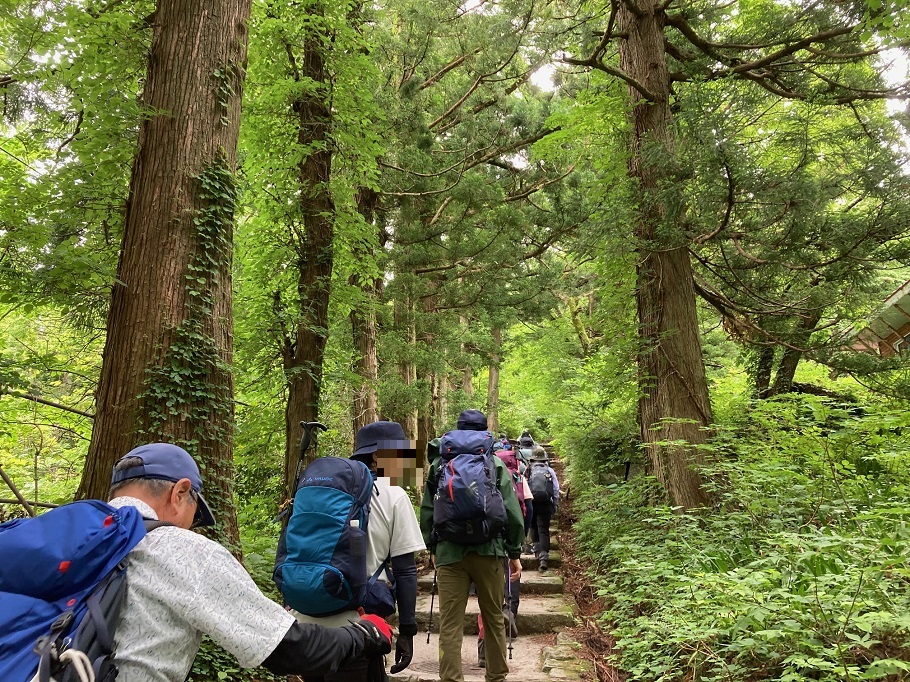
[(468, 508), (321, 564), (62, 583)]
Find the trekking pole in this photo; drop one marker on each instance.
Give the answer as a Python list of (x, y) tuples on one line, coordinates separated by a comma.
[(306, 440), (432, 599), (509, 605)]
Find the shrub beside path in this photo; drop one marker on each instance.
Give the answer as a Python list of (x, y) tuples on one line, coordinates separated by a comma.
[(545, 649)]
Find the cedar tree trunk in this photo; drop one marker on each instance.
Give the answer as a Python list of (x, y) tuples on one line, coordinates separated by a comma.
[(493, 382), (166, 364), (786, 368), (363, 329), (674, 405), (304, 354)]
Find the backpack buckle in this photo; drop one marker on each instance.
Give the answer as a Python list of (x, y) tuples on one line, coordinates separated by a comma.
[(46, 643), (62, 622)]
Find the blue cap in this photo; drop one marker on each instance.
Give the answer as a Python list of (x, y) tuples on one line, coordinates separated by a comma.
[(167, 462)]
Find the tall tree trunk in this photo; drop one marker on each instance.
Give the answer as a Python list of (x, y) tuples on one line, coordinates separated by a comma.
[(366, 362), (304, 354), (166, 364), (786, 368), (467, 372), (575, 311), (410, 423), (674, 404), (493, 381), (763, 368), (442, 403), (363, 329), (404, 410)]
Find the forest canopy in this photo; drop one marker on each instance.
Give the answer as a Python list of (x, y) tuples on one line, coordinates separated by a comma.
[(660, 235)]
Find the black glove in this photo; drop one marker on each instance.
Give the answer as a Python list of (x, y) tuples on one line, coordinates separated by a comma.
[(376, 640), (404, 652)]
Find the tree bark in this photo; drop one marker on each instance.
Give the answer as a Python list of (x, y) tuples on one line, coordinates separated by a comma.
[(786, 368), (410, 370), (363, 329), (763, 368), (674, 408), (467, 372), (493, 381), (305, 353), (166, 362), (442, 403)]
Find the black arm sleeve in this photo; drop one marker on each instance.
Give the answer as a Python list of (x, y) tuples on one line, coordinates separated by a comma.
[(309, 649), (404, 568)]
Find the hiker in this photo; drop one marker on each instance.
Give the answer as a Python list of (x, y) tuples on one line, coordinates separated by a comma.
[(182, 585), (393, 538), (468, 548), (545, 490), (525, 443), (511, 591)]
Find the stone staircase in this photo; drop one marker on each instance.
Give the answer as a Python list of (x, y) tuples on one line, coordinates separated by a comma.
[(544, 612)]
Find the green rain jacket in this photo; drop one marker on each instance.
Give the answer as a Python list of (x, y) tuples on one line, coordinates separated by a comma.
[(449, 552)]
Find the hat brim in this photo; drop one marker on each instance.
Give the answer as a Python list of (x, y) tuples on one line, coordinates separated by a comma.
[(204, 513), (370, 448)]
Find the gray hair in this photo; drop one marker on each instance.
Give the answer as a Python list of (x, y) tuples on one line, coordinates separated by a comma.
[(153, 486)]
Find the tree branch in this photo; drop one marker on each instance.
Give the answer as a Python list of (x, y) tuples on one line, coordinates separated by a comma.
[(43, 401), (454, 64)]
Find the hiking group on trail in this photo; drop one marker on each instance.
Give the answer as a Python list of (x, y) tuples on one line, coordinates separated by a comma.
[(124, 589)]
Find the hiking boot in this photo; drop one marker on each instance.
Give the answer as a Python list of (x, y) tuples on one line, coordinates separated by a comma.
[(511, 626), (481, 654), (544, 567)]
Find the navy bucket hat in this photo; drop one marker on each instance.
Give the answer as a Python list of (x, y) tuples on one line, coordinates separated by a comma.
[(472, 420), (381, 436), (167, 462)]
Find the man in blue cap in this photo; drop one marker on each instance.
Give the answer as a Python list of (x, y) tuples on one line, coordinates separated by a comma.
[(182, 585)]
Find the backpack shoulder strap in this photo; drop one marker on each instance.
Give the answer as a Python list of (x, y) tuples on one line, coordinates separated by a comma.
[(152, 524), (383, 568)]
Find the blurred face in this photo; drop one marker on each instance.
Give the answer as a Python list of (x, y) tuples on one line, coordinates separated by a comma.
[(398, 466)]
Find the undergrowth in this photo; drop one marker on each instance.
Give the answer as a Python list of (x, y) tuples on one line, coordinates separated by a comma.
[(798, 572)]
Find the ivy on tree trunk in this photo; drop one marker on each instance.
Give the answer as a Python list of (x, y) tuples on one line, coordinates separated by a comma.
[(166, 363)]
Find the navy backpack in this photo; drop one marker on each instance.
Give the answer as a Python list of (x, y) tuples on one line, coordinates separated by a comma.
[(62, 583), (321, 564), (468, 508)]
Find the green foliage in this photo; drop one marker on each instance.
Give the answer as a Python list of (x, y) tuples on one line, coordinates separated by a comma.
[(798, 573), (42, 447)]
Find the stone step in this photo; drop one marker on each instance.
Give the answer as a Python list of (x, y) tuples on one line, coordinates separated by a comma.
[(529, 562), (554, 540), (525, 664), (537, 614), (532, 582)]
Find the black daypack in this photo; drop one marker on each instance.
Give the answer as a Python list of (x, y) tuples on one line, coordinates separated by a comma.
[(540, 481), (468, 508)]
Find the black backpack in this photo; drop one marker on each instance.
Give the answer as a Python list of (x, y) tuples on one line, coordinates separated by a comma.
[(540, 481)]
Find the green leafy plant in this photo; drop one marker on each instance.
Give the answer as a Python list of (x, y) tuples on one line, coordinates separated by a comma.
[(798, 573)]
